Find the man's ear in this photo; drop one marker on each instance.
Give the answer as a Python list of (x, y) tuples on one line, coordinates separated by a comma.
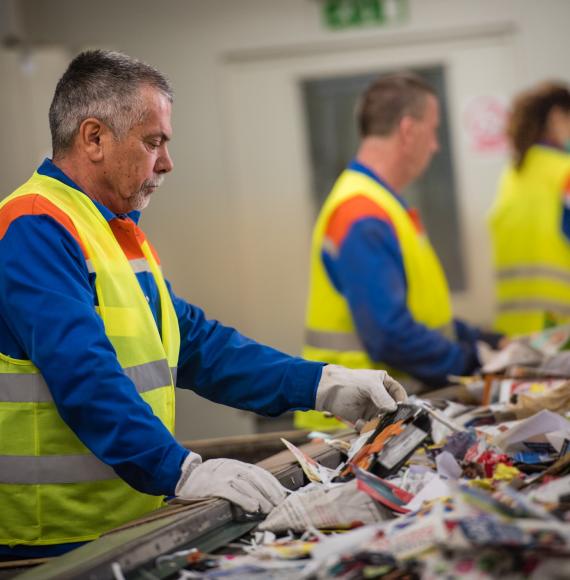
[(406, 129), (91, 136)]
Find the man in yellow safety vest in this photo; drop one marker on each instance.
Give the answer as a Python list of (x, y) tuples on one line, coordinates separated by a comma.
[(378, 295), (93, 340)]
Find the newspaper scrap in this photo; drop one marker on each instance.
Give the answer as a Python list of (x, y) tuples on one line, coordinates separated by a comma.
[(314, 471)]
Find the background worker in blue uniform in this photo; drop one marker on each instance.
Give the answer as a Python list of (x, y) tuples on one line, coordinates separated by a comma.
[(530, 219), (378, 294), (93, 339)]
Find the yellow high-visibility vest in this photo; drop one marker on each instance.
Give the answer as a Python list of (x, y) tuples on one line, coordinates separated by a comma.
[(330, 334), (53, 490), (530, 253)]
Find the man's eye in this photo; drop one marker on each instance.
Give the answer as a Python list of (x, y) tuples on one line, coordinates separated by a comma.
[(153, 145)]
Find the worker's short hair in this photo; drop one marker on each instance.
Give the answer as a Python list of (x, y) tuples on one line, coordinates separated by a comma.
[(529, 115), (388, 100), (105, 85)]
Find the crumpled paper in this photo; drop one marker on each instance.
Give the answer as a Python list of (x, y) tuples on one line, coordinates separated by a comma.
[(341, 506), (557, 400)]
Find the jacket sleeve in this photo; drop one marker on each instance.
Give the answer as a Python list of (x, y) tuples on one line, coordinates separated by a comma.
[(369, 272), (470, 334), (224, 366), (565, 225), (48, 316)]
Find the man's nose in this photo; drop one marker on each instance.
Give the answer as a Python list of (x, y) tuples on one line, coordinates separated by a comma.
[(164, 163)]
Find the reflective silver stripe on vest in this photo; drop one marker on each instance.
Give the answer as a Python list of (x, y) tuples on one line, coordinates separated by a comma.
[(349, 341), (342, 341), (29, 469), (330, 247), (149, 376), (523, 304), (532, 272), (18, 388), (138, 265), (28, 388)]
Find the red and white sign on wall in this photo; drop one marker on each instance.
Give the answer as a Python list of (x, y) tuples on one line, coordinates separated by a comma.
[(484, 121)]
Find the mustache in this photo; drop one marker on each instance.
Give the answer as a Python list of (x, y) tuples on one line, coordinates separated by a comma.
[(150, 183)]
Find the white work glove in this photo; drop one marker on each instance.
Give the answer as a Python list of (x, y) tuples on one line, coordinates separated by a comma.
[(252, 488), (342, 506), (354, 394)]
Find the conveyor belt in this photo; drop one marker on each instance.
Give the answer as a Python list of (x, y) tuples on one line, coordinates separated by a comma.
[(208, 525)]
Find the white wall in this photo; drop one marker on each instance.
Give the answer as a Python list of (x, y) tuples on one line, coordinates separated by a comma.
[(23, 111), (194, 219)]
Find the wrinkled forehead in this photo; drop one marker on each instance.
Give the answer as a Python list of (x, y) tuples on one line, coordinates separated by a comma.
[(156, 112)]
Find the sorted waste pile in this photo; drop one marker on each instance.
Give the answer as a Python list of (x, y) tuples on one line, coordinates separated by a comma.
[(435, 489)]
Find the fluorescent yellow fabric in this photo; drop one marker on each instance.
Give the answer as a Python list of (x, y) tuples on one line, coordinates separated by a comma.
[(330, 333), (530, 253), (91, 500)]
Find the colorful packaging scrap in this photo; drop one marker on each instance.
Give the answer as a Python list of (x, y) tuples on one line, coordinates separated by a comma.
[(431, 491)]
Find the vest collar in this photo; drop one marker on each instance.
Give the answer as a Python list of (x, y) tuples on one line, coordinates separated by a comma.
[(355, 165), (50, 169), (549, 145)]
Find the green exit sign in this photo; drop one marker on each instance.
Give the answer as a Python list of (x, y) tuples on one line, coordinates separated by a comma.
[(340, 14)]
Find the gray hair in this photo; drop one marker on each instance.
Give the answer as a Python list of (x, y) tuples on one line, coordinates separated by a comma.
[(105, 85)]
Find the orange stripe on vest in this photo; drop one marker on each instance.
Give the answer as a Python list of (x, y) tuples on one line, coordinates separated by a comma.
[(34, 204), (353, 210)]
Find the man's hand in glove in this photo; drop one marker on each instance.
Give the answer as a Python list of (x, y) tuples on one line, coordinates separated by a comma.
[(354, 394), (252, 488)]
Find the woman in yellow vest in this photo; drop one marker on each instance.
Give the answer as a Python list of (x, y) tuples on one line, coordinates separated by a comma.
[(530, 219)]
